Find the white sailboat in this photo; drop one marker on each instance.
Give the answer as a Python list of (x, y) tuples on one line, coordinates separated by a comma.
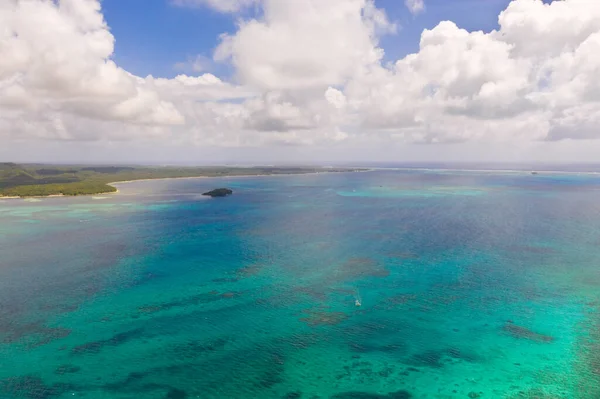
[(357, 299)]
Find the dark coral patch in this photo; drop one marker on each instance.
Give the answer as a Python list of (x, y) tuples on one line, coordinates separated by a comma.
[(362, 267), (536, 393), (193, 349), (320, 317), (175, 393), (398, 348), (316, 293), (461, 354), (32, 387), (49, 335), (249, 271), (525, 333), (438, 358), (193, 300), (116, 340), (35, 333), (67, 369), (402, 394), (11, 332), (137, 382), (150, 309), (270, 378), (133, 381), (301, 340), (432, 359), (396, 301)]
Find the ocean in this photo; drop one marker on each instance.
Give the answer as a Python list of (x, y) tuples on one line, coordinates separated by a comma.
[(470, 284)]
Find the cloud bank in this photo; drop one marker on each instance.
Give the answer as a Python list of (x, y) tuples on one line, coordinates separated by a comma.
[(307, 73)]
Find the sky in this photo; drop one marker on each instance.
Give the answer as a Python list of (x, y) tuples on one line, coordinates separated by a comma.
[(287, 81)]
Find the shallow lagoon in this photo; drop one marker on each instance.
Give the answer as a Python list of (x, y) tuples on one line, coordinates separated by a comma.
[(473, 285)]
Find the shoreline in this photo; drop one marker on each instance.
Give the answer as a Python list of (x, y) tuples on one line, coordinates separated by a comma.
[(233, 176), (39, 196), (59, 195), (114, 184)]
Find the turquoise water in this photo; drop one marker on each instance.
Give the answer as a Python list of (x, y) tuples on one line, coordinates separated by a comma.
[(473, 285)]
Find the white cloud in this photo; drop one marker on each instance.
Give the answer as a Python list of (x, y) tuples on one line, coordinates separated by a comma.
[(307, 73), (415, 6), (206, 87), (305, 44), (56, 59), (543, 30), (335, 98), (511, 84), (219, 5), (195, 64)]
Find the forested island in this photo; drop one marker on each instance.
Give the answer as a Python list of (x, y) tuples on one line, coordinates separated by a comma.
[(219, 192), (31, 180)]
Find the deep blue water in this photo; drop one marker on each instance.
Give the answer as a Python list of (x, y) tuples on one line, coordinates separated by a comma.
[(472, 284)]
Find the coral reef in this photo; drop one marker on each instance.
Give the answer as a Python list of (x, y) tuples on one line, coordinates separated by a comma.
[(318, 317), (525, 333)]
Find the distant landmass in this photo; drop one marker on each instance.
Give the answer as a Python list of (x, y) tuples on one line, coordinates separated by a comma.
[(482, 166), (31, 180)]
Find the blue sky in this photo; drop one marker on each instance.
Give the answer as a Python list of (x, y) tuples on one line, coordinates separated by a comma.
[(153, 41)]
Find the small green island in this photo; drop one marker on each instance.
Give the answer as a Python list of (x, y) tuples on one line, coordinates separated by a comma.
[(219, 192), (39, 180)]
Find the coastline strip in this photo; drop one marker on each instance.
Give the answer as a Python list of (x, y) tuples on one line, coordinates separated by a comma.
[(114, 184)]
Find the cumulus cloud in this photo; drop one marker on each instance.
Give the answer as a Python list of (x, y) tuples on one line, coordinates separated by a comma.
[(489, 86), (415, 6), (306, 44), (307, 72), (57, 79), (56, 59)]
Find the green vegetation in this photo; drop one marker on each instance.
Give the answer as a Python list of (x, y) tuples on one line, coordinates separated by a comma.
[(42, 180), (219, 192)]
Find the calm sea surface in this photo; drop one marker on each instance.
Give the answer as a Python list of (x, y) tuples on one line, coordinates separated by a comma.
[(472, 285)]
